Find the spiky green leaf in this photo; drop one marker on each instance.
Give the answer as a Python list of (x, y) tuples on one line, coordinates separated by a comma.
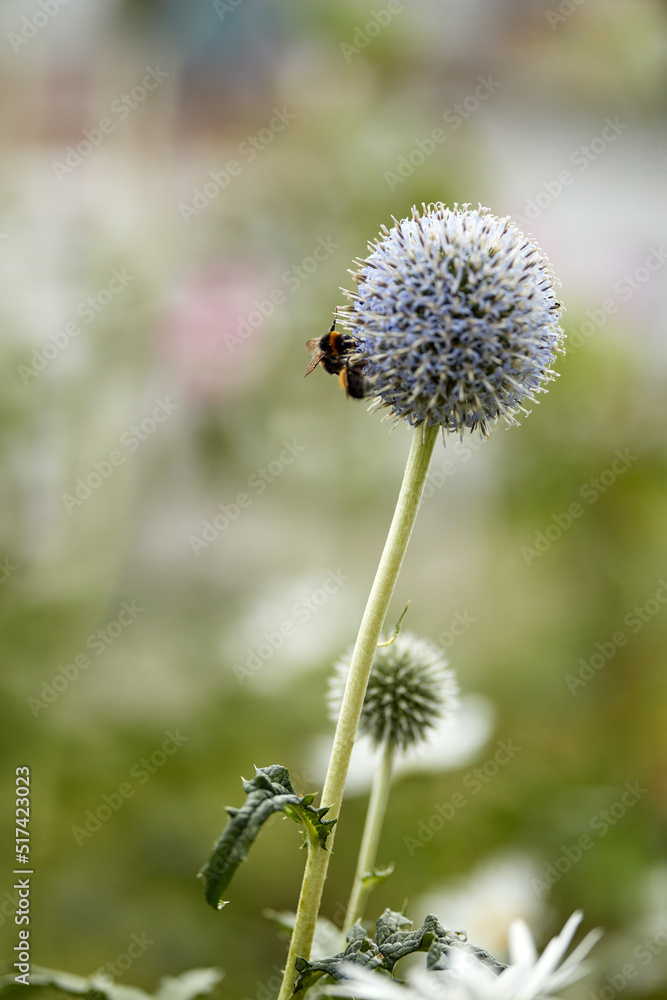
[(377, 876), (269, 791), (393, 940)]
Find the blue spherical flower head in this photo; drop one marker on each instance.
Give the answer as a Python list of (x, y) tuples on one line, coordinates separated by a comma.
[(455, 318)]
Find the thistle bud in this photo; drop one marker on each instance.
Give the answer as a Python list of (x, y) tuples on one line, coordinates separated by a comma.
[(410, 691)]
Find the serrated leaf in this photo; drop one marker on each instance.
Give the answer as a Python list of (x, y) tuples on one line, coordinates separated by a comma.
[(377, 875), (269, 791), (440, 956), (393, 940)]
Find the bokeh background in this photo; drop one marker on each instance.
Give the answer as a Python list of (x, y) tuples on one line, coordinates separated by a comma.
[(183, 188)]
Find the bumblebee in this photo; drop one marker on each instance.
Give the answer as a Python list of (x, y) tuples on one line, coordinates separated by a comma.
[(331, 352)]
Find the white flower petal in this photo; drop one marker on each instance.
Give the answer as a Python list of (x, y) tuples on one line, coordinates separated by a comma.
[(521, 945), (548, 961), (572, 968)]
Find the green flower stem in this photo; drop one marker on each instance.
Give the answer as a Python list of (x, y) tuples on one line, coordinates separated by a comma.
[(377, 807), (360, 667)]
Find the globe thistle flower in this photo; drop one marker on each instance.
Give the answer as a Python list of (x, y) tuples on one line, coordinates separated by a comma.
[(410, 690), (455, 319)]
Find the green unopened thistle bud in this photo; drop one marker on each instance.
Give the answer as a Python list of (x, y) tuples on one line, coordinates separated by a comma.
[(410, 691)]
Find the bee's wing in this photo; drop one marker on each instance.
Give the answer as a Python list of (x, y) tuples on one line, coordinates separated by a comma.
[(314, 347)]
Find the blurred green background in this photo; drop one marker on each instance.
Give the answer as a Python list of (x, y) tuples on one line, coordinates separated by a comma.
[(182, 191)]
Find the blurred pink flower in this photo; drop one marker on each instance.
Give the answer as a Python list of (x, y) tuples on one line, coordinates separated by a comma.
[(214, 332)]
